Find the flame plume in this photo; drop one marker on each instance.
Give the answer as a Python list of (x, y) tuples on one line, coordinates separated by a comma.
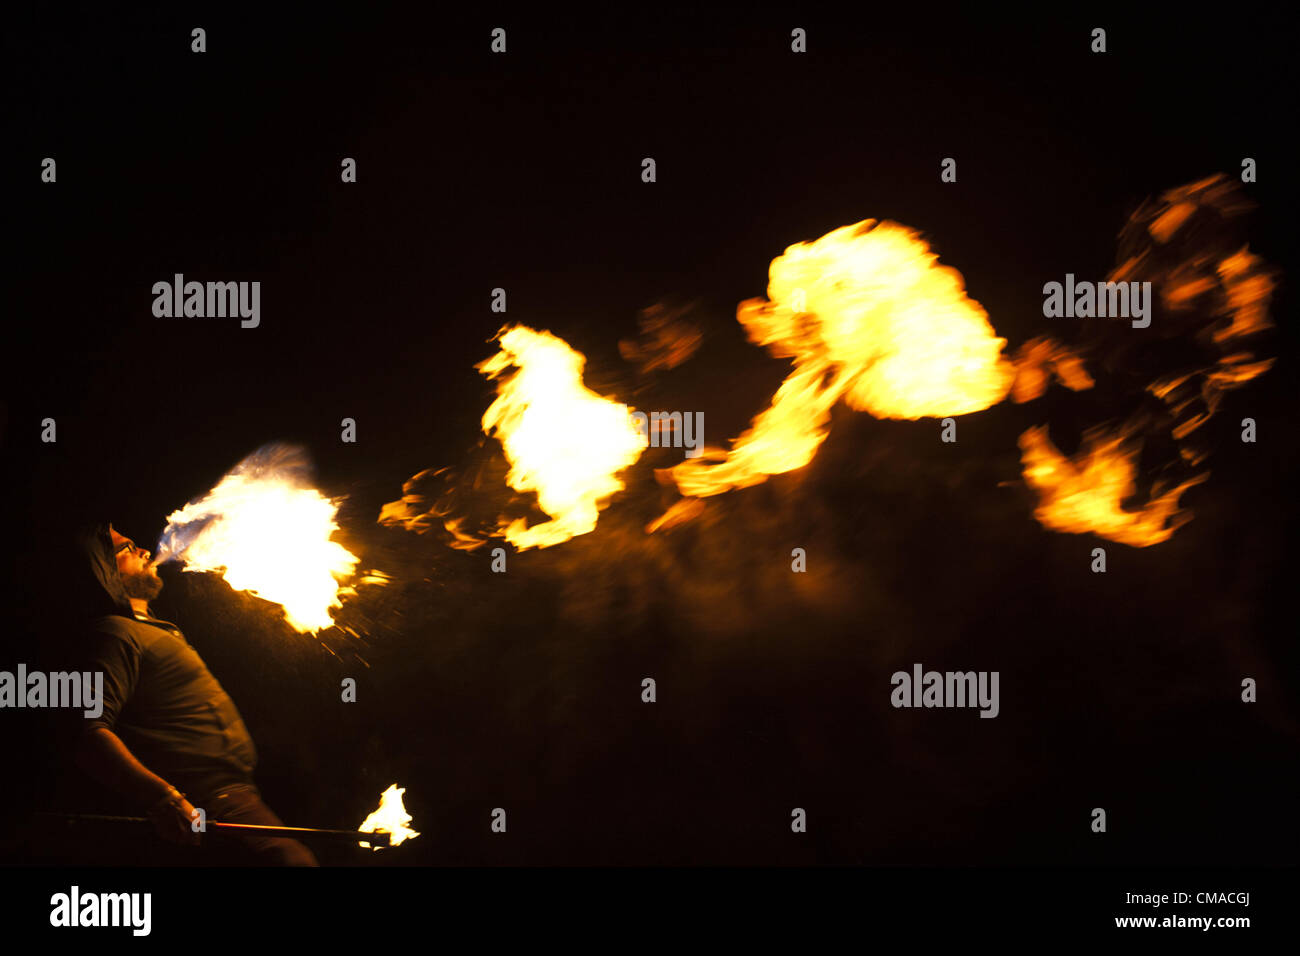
[(390, 818), (868, 315), (267, 531), (1211, 290), (563, 441)]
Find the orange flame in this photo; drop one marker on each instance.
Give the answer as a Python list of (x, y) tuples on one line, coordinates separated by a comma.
[(1038, 360), (1085, 494), (666, 341), (869, 316), (1180, 246), (563, 441), (390, 818), (266, 531)]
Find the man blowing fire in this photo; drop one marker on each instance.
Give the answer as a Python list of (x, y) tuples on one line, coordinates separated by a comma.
[(169, 737)]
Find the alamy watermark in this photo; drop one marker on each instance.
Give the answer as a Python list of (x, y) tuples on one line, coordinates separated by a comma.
[(946, 689), (210, 300), (672, 430), (1100, 300), (75, 689), (75, 908)]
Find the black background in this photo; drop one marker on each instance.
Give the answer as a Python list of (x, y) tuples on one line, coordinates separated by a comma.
[(522, 171)]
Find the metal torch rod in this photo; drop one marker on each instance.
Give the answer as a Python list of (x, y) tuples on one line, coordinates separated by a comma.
[(378, 838)]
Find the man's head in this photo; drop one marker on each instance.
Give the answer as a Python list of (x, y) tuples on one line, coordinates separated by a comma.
[(139, 576)]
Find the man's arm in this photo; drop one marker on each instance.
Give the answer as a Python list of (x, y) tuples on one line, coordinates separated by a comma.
[(102, 754)]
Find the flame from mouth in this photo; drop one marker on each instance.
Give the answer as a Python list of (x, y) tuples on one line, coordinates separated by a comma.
[(266, 530)]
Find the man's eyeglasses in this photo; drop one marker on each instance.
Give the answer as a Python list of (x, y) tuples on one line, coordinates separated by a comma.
[(130, 546)]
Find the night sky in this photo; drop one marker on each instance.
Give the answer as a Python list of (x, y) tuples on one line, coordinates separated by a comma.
[(522, 171)]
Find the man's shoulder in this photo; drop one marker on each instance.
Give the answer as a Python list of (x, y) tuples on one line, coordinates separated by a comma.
[(137, 633)]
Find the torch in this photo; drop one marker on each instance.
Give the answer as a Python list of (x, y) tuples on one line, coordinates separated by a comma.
[(385, 827), (376, 838)]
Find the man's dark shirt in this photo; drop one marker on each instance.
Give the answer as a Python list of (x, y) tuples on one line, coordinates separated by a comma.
[(165, 705)]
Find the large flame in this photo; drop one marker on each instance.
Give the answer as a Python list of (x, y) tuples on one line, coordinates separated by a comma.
[(563, 441), (390, 818), (267, 531), (868, 315)]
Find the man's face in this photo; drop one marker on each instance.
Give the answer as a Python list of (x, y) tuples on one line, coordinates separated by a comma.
[(139, 576)]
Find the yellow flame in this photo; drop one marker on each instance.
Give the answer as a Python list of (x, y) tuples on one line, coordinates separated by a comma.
[(1084, 494), (682, 511), (868, 315), (563, 441), (266, 532), (390, 818)]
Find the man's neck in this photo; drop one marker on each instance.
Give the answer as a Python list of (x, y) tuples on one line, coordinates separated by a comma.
[(140, 606)]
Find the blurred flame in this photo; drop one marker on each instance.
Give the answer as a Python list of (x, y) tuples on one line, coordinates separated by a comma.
[(265, 530), (460, 540), (1040, 358), (681, 511), (390, 818), (563, 441), (368, 578), (868, 315), (1248, 289), (1164, 226), (1207, 285), (666, 341), (1084, 494)]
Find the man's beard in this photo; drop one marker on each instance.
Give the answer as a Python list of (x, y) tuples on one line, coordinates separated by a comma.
[(142, 585)]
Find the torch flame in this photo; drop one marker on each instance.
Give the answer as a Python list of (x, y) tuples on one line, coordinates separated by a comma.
[(390, 818), (869, 316), (563, 441), (266, 531)]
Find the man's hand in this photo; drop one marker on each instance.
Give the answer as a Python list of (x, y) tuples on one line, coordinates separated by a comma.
[(172, 818), (103, 755)]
